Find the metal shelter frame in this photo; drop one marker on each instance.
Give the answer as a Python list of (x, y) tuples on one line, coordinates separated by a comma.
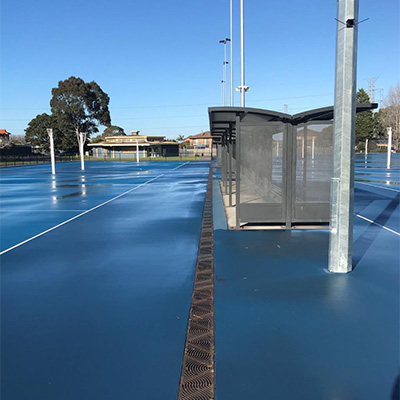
[(267, 151)]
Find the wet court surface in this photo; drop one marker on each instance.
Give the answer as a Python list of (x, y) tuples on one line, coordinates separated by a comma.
[(97, 308), (286, 328)]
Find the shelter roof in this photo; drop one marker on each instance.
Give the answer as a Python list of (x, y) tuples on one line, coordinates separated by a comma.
[(222, 118)]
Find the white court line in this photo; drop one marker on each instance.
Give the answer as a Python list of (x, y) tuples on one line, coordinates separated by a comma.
[(375, 223), (379, 187), (79, 215), (180, 165), (25, 211)]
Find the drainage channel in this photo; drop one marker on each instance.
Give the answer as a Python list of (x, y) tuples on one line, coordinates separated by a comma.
[(197, 380)]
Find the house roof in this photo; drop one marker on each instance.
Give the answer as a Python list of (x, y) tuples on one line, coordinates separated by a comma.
[(202, 135), (4, 132)]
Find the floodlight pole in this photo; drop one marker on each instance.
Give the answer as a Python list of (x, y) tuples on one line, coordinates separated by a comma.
[(342, 184), (242, 86), (389, 148), (366, 147), (224, 70), (53, 162), (81, 140), (231, 36)]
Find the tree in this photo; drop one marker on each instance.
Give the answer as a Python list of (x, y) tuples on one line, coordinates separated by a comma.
[(36, 134), (391, 113), (113, 130), (97, 139), (365, 122), (180, 138), (80, 107)]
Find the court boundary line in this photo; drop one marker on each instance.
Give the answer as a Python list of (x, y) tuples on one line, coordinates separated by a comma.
[(379, 187), (79, 215), (180, 165), (375, 223)]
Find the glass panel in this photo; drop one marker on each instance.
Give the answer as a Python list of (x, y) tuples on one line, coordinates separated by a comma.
[(261, 166), (314, 163)]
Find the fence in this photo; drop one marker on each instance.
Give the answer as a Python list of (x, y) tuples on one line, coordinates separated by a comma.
[(14, 160)]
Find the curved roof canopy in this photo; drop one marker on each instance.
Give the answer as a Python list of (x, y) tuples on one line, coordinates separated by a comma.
[(224, 118)]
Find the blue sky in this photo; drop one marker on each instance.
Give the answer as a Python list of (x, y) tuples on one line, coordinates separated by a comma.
[(161, 61)]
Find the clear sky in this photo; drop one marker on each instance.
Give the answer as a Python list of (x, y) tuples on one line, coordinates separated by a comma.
[(161, 61)]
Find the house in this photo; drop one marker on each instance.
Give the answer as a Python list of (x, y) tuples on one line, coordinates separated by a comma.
[(200, 141), (127, 146), (4, 137)]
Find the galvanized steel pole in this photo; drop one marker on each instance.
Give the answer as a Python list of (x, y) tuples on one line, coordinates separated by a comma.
[(242, 91), (231, 36), (342, 184)]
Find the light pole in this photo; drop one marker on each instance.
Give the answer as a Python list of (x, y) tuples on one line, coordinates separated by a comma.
[(51, 139), (231, 36), (224, 70), (242, 88)]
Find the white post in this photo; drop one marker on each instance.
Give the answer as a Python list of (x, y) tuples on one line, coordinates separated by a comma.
[(342, 184), (389, 149), (82, 138), (53, 162), (242, 89), (366, 146), (313, 148), (302, 147), (137, 151)]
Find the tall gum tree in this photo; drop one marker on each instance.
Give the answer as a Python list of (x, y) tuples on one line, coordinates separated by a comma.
[(80, 107)]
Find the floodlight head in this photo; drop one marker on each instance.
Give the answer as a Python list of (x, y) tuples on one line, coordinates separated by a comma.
[(228, 40), (49, 131), (222, 41)]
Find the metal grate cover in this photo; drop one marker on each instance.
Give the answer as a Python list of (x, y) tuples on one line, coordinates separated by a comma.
[(197, 380)]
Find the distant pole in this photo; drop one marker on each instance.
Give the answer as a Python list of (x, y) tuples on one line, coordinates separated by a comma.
[(82, 138), (137, 150), (53, 161), (389, 149), (224, 72), (342, 184), (366, 146), (231, 60), (242, 90)]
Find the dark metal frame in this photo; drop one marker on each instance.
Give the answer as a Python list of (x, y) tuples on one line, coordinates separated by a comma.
[(225, 127)]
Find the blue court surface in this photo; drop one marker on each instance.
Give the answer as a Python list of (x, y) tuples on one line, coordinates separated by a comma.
[(97, 272), (97, 307), (286, 328)]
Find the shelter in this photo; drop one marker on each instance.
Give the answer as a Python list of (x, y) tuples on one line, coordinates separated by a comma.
[(276, 167)]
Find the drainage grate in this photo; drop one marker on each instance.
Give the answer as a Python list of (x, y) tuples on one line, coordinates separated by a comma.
[(198, 376)]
